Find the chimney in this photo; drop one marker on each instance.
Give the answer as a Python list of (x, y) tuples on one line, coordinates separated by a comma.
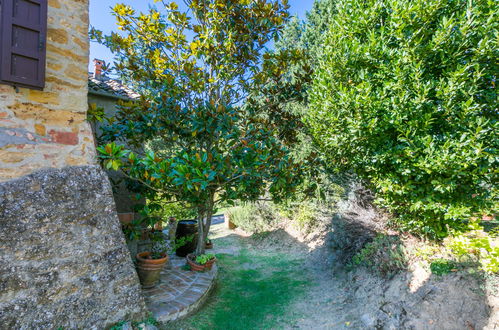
[(98, 65)]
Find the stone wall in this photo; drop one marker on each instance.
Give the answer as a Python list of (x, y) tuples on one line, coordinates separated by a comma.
[(47, 128), (63, 261)]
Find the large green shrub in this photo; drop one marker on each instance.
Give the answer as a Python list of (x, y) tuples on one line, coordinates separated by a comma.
[(405, 96), (254, 217)]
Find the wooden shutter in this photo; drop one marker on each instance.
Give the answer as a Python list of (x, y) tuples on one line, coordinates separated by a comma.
[(23, 35)]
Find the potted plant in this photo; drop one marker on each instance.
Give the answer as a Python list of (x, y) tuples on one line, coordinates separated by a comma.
[(201, 262), (151, 263), (209, 244)]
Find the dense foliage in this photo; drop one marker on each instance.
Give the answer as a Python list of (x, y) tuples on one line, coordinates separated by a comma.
[(305, 38), (476, 246), (254, 217), (309, 35), (197, 77), (405, 96)]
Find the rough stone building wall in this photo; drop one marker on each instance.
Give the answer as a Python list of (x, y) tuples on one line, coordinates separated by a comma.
[(63, 258), (47, 128), (64, 262)]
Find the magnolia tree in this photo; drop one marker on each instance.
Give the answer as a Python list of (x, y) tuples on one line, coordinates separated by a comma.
[(198, 72)]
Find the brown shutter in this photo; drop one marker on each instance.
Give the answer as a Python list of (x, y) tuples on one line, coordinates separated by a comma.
[(23, 35)]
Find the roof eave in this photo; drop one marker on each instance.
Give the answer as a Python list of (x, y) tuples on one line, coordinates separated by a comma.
[(109, 95)]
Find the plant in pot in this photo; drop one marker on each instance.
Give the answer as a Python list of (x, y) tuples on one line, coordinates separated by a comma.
[(151, 263), (201, 262)]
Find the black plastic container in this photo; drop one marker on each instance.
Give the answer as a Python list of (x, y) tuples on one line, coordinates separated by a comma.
[(187, 228)]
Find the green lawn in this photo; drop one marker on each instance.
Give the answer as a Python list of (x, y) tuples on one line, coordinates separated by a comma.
[(253, 292)]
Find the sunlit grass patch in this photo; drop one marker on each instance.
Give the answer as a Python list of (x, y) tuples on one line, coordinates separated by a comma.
[(253, 292)]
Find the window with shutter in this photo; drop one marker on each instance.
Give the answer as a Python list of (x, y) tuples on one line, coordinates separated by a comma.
[(23, 34)]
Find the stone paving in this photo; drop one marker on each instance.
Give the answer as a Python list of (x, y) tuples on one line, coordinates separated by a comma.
[(179, 291)]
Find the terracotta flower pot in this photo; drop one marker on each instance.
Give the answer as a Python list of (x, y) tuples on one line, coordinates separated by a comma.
[(209, 264), (197, 267), (208, 245), (126, 218), (149, 270)]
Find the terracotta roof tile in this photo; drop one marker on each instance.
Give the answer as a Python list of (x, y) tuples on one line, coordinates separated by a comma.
[(113, 87)]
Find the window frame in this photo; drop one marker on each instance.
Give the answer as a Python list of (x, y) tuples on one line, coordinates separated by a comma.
[(8, 51)]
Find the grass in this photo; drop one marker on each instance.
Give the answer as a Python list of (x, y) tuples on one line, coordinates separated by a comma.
[(441, 267), (253, 292)]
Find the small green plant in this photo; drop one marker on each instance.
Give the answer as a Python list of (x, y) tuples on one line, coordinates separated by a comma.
[(117, 326), (204, 258), (476, 246), (427, 251), (95, 113), (305, 217), (475, 250), (162, 247), (385, 255), (442, 266)]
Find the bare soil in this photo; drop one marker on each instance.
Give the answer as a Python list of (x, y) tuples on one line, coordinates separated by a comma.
[(335, 297), (358, 299)]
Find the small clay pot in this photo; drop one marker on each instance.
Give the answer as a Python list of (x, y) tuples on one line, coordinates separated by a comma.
[(158, 226), (126, 218), (208, 245), (197, 267), (149, 270)]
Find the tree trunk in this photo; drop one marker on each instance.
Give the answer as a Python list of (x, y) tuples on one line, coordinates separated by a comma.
[(200, 246), (204, 223)]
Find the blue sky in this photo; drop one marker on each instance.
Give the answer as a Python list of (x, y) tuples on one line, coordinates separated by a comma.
[(101, 18)]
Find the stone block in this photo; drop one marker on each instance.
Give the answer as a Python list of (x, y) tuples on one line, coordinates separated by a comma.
[(40, 129), (63, 261), (43, 97), (57, 35), (69, 138), (54, 4)]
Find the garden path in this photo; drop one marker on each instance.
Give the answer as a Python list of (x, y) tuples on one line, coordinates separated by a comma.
[(267, 283), (179, 292), (274, 281)]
